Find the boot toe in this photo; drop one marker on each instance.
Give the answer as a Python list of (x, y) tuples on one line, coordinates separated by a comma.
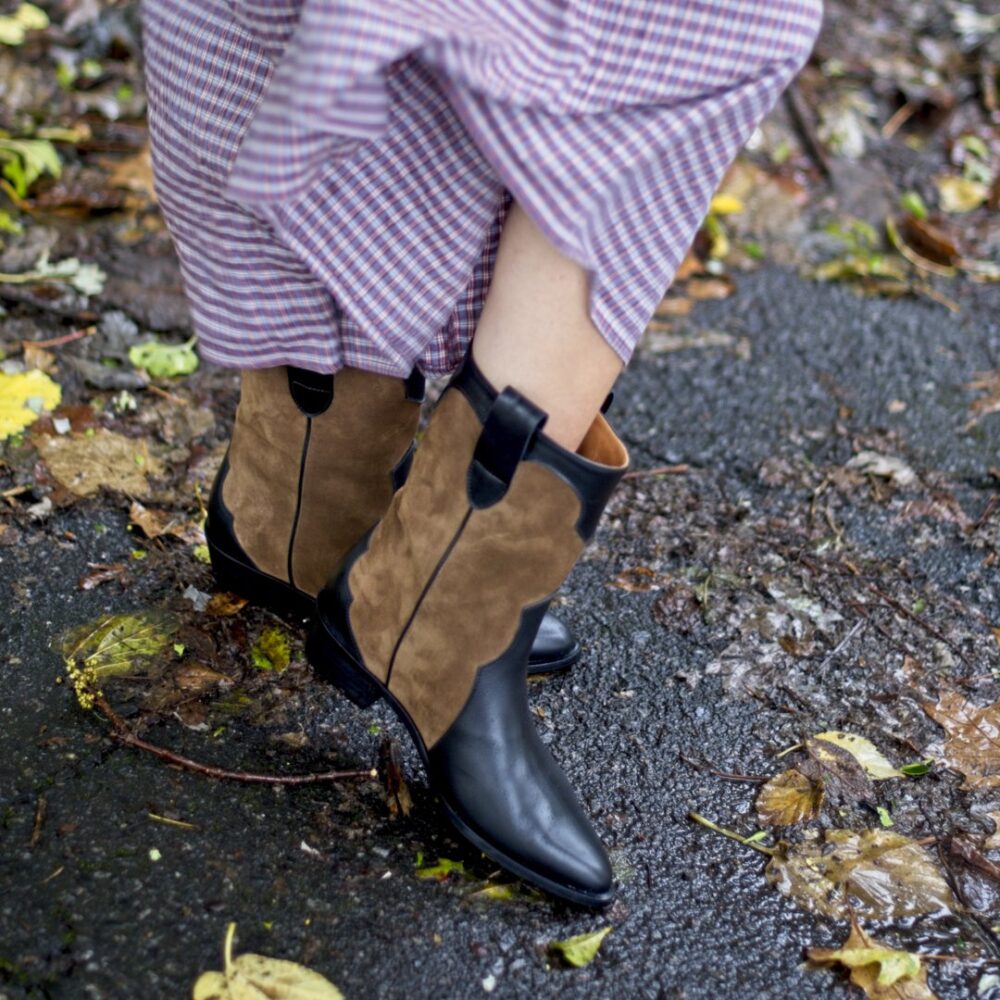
[(555, 647)]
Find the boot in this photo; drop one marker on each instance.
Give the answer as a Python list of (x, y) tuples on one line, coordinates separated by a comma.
[(313, 464), (437, 608)]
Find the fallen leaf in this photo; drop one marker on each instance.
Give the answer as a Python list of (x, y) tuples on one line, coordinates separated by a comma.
[(883, 973), (726, 204), (442, 869), (37, 357), (930, 241), (960, 194), (581, 949), (495, 893), (789, 797), (871, 463), (256, 977), (23, 397), (155, 523), (164, 360), (674, 306), (225, 604), (272, 650), (116, 645), (26, 17), (710, 288), (843, 776), (864, 752), (973, 744), (879, 874), (83, 464), (637, 579), (98, 573)]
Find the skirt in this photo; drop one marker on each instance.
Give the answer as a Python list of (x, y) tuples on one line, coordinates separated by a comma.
[(335, 173)]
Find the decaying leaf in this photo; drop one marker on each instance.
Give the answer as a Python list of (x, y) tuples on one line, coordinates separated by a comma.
[(164, 360), (883, 973), (256, 977), (843, 776), (116, 645), (26, 17), (155, 523), (581, 949), (871, 463), (83, 464), (789, 797), (864, 752), (397, 792), (879, 874), (23, 397), (225, 604), (973, 744), (272, 650)]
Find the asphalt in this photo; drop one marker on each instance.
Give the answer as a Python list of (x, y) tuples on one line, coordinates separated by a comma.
[(324, 875)]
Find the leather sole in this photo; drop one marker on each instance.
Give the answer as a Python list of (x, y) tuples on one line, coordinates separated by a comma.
[(281, 597), (338, 667)]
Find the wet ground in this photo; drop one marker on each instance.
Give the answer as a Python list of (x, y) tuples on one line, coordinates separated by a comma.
[(681, 679)]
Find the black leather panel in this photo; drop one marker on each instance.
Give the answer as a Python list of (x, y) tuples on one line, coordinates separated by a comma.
[(498, 776), (312, 392), (415, 387), (219, 522)]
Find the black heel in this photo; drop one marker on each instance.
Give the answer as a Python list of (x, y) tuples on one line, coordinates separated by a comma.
[(333, 666)]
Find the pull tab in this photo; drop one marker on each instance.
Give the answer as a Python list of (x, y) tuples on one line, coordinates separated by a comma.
[(415, 387), (510, 427), (312, 392)]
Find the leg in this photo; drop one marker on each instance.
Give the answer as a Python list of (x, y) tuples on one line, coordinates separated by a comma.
[(535, 333)]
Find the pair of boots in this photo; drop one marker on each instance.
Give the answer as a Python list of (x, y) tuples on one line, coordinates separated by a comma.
[(429, 572)]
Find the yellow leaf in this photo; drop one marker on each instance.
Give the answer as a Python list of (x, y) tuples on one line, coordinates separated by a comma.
[(726, 204), (252, 977), (115, 645), (864, 752), (789, 797), (960, 194), (883, 973), (23, 396), (581, 949)]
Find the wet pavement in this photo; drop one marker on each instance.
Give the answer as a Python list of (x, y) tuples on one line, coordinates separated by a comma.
[(101, 900)]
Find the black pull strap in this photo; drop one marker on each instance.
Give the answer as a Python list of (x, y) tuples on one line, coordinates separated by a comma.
[(510, 427), (415, 387), (311, 391)]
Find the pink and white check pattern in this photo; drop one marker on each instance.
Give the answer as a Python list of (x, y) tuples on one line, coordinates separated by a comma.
[(335, 173)]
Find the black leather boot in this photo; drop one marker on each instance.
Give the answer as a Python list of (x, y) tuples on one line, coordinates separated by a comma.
[(313, 464), (436, 611)]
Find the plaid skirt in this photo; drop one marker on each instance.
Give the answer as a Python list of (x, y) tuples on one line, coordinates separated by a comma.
[(335, 173)]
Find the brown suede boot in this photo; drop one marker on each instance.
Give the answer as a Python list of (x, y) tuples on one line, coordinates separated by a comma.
[(437, 609), (313, 465)]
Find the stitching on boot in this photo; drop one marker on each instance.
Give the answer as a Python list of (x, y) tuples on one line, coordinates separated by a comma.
[(298, 499)]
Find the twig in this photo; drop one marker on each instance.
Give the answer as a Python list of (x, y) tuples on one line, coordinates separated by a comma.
[(15, 491), (167, 821), (36, 830), (755, 779), (123, 734), (802, 120), (66, 338), (896, 606), (156, 390), (746, 841), (899, 117), (659, 470), (842, 645)]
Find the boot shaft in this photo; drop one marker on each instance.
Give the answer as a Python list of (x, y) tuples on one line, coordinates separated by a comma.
[(491, 520), (313, 463)]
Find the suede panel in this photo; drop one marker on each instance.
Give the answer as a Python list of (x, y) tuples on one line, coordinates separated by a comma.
[(601, 445), (387, 580), (261, 487), (347, 485), (509, 556)]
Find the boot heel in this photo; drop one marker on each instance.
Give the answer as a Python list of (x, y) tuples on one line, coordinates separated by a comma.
[(333, 666)]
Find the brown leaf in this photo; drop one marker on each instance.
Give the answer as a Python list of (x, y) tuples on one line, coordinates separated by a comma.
[(155, 523), (843, 777), (637, 579), (674, 306), (973, 744), (929, 241), (397, 794), (84, 464), (711, 288), (225, 604), (878, 874), (883, 973), (99, 573), (789, 797)]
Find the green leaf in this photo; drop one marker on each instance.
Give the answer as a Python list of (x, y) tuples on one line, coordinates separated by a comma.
[(912, 203), (441, 870), (581, 949), (114, 645), (26, 160), (883, 816), (918, 769), (164, 360), (272, 650)]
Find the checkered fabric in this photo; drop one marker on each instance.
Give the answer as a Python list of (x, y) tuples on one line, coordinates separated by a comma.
[(335, 173)]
